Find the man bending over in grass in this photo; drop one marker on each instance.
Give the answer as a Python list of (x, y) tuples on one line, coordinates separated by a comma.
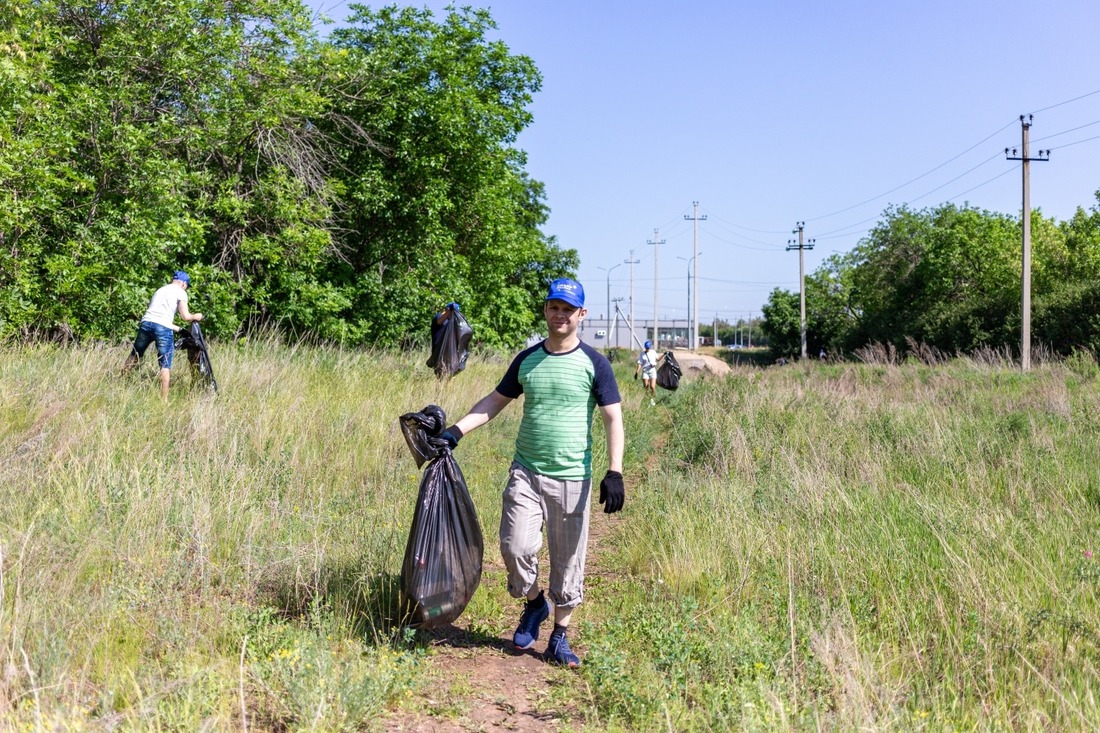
[(158, 325), (562, 380)]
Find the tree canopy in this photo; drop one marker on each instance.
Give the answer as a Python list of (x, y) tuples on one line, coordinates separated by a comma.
[(341, 189), (949, 277)]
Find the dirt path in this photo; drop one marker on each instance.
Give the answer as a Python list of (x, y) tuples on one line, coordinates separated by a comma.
[(479, 683)]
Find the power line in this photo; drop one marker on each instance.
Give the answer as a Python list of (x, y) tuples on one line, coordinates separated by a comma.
[(914, 180), (837, 234), (983, 183), (923, 175), (1059, 104), (1087, 139), (747, 229), (766, 248), (744, 282), (1066, 132), (918, 198)]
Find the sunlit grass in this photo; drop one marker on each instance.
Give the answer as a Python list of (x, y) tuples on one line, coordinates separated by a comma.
[(161, 561), (870, 548), (833, 546)]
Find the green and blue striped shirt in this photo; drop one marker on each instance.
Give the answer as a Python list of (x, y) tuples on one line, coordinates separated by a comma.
[(560, 391)]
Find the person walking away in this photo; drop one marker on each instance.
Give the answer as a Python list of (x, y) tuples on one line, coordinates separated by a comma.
[(647, 365), (563, 380), (158, 325)]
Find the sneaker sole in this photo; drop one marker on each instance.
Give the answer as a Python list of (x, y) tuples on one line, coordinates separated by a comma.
[(557, 663), (525, 648)]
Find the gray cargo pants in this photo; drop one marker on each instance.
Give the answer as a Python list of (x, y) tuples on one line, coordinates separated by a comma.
[(532, 501)]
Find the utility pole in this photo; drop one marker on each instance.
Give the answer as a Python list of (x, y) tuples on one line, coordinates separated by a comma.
[(693, 332), (800, 246), (750, 329), (656, 242), (608, 270), (632, 262), (1025, 220), (616, 302), (692, 320)]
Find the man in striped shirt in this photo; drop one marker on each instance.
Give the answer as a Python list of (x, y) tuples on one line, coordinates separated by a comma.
[(563, 381)]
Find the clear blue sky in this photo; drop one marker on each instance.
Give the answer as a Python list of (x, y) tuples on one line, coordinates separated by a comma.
[(771, 113)]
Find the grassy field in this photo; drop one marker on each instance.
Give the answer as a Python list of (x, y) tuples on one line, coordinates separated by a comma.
[(825, 546)]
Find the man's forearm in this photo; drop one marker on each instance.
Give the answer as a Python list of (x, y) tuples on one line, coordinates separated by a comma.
[(616, 436), (485, 410)]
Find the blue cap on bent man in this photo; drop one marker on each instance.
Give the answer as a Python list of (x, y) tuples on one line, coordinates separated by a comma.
[(566, 290), (181, 276)]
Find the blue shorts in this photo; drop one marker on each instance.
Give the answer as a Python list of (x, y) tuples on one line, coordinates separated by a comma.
[(165, 338)]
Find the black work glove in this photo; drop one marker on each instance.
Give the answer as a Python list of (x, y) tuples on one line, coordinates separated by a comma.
[(451, 436), (635, 375), (612, 492)]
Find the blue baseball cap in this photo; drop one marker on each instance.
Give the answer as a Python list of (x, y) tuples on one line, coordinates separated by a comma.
[(567, 290), (648, 344), (182, 276)]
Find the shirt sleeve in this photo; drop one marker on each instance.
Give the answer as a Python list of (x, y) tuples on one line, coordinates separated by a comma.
[(509, 384), (604, 386)]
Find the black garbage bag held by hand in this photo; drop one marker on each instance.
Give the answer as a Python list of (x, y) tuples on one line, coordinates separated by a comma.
[(450, 343), (443, 556), (198, 355), (668, 374)]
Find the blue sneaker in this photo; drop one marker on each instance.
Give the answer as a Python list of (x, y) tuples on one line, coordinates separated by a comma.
[(558, 651), (534, 613)]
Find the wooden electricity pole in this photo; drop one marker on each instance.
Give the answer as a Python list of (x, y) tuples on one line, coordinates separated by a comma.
[(656, 242), (801, 246), (632, 262), (1025, 220), (693, 332)]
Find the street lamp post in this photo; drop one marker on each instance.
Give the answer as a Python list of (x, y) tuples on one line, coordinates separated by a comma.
[(608, 270), (693, 338)]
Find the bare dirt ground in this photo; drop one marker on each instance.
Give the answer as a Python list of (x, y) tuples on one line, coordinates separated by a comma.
[(700, 364), (479, 683)]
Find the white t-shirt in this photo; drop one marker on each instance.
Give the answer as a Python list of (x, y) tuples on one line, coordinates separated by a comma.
[(165, 303), (648, 360)]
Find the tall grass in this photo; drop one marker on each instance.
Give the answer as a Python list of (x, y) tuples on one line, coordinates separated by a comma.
[(219, 559), (828, 546), (872, 548)]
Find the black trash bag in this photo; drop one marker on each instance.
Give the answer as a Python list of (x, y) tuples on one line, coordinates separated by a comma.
[(198, 355), (668, 374), (450, 345), (442, 565)]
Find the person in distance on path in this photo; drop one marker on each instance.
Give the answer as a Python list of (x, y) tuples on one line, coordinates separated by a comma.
[(647, 364), (563, 380), (158, 325)]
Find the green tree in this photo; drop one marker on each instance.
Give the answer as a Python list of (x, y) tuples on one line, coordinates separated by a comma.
[(157, 129), (944, 277), (438, 206), (1066, 312), (337, 190), (783, 323), (830, 314)]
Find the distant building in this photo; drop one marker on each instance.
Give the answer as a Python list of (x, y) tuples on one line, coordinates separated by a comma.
[(603, 333)]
